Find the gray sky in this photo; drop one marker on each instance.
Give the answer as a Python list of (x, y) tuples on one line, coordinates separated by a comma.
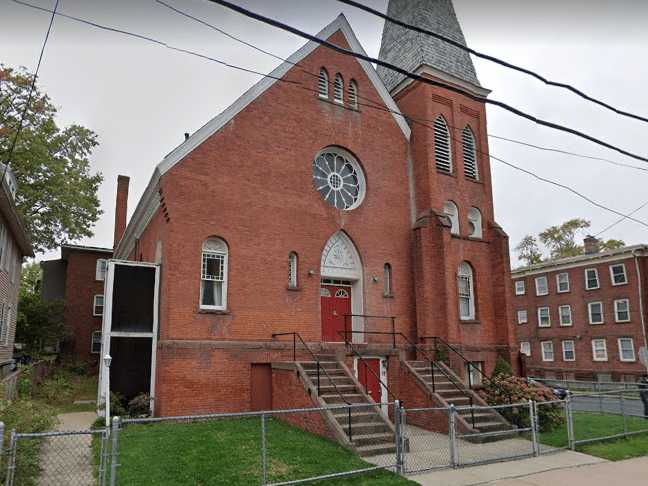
[(141, 98)]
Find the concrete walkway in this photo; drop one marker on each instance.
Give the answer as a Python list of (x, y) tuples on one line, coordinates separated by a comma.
[(68, 459)]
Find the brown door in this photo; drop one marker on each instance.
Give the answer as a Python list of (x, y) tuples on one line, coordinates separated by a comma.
[(336, 303), (261, 387)]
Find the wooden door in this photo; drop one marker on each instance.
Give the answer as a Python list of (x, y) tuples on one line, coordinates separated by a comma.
[(368, 379), (336, 303), (261, 387)]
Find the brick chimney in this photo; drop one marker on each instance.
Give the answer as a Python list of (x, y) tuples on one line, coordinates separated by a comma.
[(591, 245), (121, 206)]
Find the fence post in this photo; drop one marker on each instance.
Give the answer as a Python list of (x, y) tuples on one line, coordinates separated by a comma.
[(11, 459), (113, 454), (534, 427), (452, 435), (103, 456), (398, 437), (569, 412), (2, 427), (625, 417), (264, 457)]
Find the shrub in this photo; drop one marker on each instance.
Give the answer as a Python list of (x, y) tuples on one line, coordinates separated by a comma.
[(502, 368), (78, 367), (117, 401), (24, 385), (140, 406)]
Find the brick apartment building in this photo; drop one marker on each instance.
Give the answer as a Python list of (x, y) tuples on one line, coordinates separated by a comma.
[(583, 317), (305, 210), (14, 246)]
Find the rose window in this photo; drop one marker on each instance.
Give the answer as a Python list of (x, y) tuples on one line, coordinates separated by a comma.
[(339, 179)]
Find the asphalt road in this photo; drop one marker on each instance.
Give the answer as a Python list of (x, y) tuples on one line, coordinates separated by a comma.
[(608, 404)]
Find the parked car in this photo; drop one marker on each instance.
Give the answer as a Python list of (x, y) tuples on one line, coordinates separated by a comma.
[(560, 391)]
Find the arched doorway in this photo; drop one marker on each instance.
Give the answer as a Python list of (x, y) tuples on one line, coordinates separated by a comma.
[(341, 289)]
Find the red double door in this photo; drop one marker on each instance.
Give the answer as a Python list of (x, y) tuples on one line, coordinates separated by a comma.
[(368, 376), (336, 303)]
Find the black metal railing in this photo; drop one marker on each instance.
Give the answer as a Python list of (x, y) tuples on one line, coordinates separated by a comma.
[(393, 332)]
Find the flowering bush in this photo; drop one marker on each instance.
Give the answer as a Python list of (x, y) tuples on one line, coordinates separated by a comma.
[(502, 390)]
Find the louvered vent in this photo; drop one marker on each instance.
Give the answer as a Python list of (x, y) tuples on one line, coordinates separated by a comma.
[(469, 156), (323, 83), (353, 94), (338, 89), (442, 153)]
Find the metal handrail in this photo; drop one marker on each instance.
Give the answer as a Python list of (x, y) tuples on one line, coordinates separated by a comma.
[(393, 325)]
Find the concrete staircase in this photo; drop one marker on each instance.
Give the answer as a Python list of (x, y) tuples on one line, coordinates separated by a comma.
[(449, 389), (370, 431)]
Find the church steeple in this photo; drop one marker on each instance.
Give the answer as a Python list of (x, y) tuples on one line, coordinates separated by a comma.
[(410, 50)]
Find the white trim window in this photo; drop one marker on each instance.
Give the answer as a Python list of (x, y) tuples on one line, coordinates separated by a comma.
[(323, 84), (387, 280), (338, 89), (541, 285), (622, 310), (98, 305), (95, 342), (618, 274), (547, 348), (469, 154), (466, 292), (525, 348), (595, 312), (544, 317), (442, 146), (292, 270), (100, 269), (522, 316), (565, 313), (353, 94), (626, 350), (474, 223), (213, 275), (569, 350), (591, 279), (599, 350), (452, 212), (520, 288), (562, 282)]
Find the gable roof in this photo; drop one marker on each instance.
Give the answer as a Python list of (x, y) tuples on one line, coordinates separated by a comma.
[(149, 202)]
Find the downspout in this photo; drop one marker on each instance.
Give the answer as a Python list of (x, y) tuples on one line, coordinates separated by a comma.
[(641, 308)]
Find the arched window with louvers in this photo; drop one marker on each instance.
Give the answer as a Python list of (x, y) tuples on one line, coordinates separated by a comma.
[(323, 84), (338, 89), (353, 94), (442, 145), (471, 171)]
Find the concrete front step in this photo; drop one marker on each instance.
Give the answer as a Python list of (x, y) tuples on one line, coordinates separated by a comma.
[(312, 365), (376, 450), (360, 440), (335, 399), (342, 416), (327, 389), (365, 428)]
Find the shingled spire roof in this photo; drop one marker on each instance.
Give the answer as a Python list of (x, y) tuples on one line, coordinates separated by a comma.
[(409, 50)]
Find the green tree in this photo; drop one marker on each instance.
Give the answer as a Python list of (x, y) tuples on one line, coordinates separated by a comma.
[(611, 244), (561, 240), (528, 250), (57, 193)]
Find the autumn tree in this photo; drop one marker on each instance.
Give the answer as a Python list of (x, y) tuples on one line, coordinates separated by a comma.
[(528, 250), (57, 193)]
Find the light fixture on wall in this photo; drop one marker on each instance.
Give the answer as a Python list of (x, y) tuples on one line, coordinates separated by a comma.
[(311, 273), (374, 279)]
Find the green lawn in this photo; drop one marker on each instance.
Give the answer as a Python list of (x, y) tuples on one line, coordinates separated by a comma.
[(591, 425), (228, 452)]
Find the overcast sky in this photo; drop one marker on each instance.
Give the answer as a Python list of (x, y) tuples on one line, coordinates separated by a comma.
[(140, 98)]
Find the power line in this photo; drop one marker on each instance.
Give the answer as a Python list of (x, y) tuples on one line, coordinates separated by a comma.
[(620, 220), (416, 77), (373, 105), (491, 58), (29, 96)]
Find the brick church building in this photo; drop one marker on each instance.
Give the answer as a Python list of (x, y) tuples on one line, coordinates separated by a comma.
[(307, 206)]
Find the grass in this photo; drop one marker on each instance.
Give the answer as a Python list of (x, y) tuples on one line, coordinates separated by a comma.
[(228, 452)]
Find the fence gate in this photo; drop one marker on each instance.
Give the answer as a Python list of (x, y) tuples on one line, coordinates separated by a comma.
[(75, 458)]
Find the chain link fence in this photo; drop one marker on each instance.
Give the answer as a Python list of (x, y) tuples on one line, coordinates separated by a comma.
[(426, 443)]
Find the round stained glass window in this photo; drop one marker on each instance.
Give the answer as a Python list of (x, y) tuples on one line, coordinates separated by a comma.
[(338, 178)]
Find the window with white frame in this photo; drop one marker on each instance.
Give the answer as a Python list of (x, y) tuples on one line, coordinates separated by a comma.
[(469, 154), (100, 269), (547, 350), (622, 310), (323, 84), (565, 315), (292, 270), (626, 350), (98, 305), (542, 288), (338, 89), (474, 223), (442, 146), (473, 372), (544, 317), (519, 287), (562, 282), (522, 316), (451, 211), (466, 291), (525, 348), (353, 94), (569, 351), (387, 280), (213, 275), (591, 279), (95, 344), (618, 274), (595, 312), (599, 350)]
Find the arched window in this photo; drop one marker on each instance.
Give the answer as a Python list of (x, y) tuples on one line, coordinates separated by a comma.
[(474, 223), (353, 94), (292, 270), (469, 154), (451, 211), (466, 291), (213, 275), (323, 83), (387, 279), (442, 150), (338, 89)]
